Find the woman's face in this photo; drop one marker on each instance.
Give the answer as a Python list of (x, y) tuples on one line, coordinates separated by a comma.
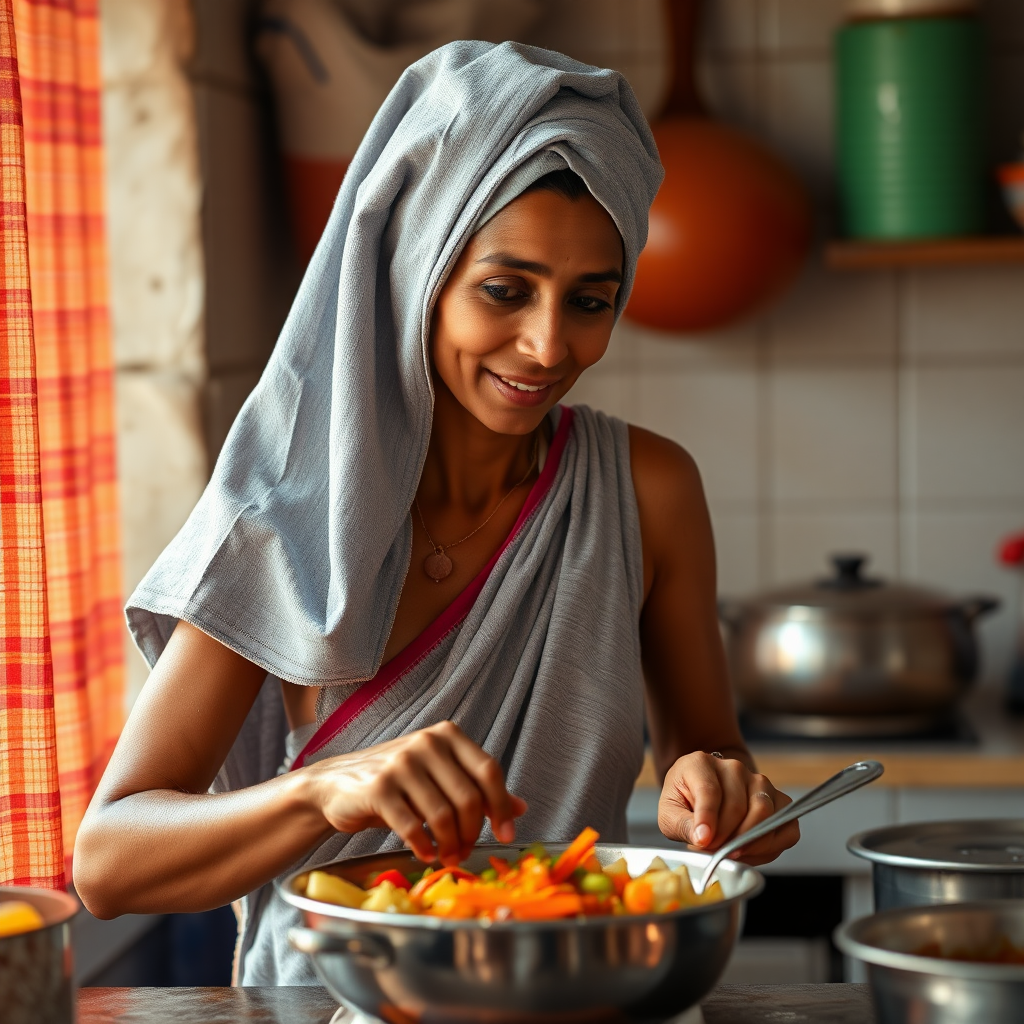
[(528, 307)]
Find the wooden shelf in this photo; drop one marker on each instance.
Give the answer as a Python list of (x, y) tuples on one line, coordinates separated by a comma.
[(851, 255)]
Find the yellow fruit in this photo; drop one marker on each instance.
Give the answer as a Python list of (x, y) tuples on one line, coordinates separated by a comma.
[(17, 916), (332, 889)]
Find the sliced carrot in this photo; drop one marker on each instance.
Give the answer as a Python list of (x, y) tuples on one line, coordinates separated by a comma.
[(560, 905), (500, 865), (577, 851)]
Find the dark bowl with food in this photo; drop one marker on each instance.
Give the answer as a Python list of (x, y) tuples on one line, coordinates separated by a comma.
[(407, 967), (36, 984)]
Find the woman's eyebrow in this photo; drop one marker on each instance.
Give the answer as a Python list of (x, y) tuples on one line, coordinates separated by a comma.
[(504, 259)]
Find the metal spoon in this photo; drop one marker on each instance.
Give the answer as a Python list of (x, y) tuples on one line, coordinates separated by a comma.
[(846, 781)]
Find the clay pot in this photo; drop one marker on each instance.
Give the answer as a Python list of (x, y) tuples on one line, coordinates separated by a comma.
[(731, 225)]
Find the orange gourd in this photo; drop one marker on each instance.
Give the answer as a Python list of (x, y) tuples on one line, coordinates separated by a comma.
[(731, 224)]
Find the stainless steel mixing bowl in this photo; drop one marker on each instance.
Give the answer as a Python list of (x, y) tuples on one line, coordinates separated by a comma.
[(404, 968), (907, 987), (944, 861)]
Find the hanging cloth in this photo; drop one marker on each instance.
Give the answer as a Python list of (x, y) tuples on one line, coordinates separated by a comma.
[(31, 847), (58, 52)]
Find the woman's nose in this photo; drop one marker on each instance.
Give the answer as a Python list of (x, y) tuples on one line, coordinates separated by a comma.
[(542, 335)]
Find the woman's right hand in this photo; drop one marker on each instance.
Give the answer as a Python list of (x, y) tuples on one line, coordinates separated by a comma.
[(436, 777)]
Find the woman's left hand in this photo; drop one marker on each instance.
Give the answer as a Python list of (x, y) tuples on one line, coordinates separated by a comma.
[(707, 800)]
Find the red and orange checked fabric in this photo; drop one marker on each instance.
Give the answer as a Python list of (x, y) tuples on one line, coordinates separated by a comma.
[(31, 847), (57, 55)]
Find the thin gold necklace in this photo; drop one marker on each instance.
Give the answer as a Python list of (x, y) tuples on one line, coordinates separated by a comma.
[(437, 565)]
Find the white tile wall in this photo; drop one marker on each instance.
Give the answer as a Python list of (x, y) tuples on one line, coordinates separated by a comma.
[(832, 435), (882, 412)]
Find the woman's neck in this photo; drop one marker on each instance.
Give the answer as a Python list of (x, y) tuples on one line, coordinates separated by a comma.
[(468, 465)]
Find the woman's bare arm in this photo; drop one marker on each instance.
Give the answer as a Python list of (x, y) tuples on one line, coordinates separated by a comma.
[(155, 841), (690, 707)]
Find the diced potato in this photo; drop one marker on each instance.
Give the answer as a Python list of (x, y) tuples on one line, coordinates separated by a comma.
[(388, 898), (332, 889), (665, 888), (712, 894), (687, 897), (657, 865), (619, 867)]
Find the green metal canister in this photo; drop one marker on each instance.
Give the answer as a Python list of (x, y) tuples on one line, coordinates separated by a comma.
[(910, 125)]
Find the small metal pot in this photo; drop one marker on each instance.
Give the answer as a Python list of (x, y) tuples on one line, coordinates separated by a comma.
[(944, 862), (403, 967), (907, 987), (36, 984), (851, 655)]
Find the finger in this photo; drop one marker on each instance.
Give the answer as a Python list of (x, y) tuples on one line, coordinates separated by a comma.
[(768, 848), (487, 774), (764, 800), (734, 778), (689, 804), (435, 808), (397, 815), (463, 795)]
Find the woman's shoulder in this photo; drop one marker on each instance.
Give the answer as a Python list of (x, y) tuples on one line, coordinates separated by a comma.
[(670, 501)]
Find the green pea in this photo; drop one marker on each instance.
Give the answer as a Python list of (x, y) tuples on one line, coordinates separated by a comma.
[(489, 875), (536, 850), (597, 883)]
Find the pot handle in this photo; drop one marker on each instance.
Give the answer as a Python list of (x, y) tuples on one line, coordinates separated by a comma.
[(369, 950), (974, 607)]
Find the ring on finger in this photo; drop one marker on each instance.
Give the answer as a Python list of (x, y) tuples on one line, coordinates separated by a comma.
[(766, 795)]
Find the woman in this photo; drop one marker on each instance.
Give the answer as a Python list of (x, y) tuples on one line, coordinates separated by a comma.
[(445, 588)]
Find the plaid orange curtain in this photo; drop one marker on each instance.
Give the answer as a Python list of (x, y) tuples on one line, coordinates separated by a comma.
[(56, 62)]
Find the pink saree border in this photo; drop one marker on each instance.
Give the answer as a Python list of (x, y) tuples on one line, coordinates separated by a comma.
[(414, 652)]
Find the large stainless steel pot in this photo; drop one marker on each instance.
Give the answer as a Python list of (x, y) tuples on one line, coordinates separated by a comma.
[(851, 655), (944, 862), (401, 967), (911, 989), (35, 967)]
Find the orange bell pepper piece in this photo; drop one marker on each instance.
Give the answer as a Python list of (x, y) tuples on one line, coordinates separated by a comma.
[(574, 855), (563, 904), (428, 880)]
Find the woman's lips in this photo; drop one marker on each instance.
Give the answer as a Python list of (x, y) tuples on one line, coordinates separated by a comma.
[(521, 392)]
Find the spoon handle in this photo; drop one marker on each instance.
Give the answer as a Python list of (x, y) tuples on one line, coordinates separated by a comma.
[(846, 781)]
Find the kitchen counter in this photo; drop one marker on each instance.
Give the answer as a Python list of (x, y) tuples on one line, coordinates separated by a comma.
[(995, 762), (729, 1004)]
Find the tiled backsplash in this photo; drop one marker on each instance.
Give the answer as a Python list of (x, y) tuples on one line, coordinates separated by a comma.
[(873, 411)]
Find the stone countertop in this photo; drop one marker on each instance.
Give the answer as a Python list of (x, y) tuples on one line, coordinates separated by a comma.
[(728, 1004), (995, 762)]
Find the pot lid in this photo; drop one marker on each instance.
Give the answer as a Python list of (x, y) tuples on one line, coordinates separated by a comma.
[(849, 590), (985, 845), (908, 8)]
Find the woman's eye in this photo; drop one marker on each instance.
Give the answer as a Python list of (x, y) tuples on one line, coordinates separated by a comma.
[(504, 292), (591, 304)]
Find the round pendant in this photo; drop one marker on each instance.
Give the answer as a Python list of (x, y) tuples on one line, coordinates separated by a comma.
[(437, 566)]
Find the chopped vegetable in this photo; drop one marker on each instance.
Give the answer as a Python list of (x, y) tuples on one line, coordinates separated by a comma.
[(395, 877), (17, 916), (577, 852), (530, 889), (332, 889)]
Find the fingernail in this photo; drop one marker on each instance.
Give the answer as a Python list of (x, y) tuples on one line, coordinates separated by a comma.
[(701, 834)]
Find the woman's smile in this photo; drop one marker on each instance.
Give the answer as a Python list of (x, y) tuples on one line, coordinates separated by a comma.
[(521, 390)]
